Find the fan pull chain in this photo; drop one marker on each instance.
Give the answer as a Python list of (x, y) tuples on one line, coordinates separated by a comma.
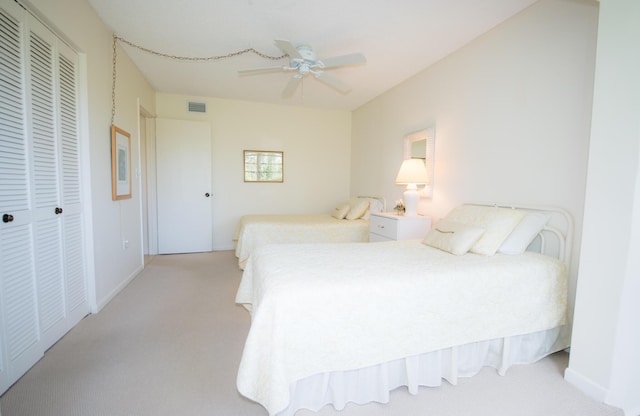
[(113, 79), (197, 58)]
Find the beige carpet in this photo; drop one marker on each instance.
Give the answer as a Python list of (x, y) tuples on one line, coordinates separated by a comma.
[(170, 344)]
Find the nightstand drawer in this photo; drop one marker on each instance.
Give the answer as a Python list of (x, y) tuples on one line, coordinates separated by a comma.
[(383, 226)]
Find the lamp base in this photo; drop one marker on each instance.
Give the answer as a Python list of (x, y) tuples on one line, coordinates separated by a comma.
[(411, 197)]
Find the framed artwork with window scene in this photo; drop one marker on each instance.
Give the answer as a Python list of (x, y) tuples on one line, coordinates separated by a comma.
[(120, 164), (263, 166)]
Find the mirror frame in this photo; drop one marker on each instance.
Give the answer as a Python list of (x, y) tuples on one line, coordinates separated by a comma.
[(429, 135)]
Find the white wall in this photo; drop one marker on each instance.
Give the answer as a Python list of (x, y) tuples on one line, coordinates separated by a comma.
[(511, 112), (606, 337), (316, 146), (111, 221)]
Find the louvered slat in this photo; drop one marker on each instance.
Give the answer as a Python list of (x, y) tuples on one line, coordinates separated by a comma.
[(41, 66), (19, 289), (69, 131), (15, 189), (51, 302), (74, 264)]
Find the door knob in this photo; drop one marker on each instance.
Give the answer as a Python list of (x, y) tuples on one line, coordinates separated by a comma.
[(58, 211), (7, 218), (207, 194)]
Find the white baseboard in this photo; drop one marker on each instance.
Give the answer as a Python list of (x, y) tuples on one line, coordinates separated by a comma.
[(595, 391), (104, 301), (632, 412), (585, 385)]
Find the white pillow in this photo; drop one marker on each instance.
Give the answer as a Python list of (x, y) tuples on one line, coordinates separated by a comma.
[(341, 211), (524, 233), (375, 205), (358, 210), (497, 223), (453, 237)]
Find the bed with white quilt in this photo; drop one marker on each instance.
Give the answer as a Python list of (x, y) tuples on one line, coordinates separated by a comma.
[(339, 323), (348, 222)]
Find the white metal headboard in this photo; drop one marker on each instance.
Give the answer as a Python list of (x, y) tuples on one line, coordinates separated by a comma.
[(376, 197), (556, 236)]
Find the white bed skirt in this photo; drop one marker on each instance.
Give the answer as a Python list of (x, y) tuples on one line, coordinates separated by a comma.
[(373, 384)]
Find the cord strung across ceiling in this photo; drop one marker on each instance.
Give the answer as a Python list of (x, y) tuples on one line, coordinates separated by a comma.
[(117, 38)]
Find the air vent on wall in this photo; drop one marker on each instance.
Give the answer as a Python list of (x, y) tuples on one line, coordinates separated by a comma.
[(197, 107)]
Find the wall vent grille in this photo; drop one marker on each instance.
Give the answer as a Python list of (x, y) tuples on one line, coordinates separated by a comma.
[(197, 107)]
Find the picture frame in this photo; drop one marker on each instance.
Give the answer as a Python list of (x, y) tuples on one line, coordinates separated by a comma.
[(266, 166), (120, 164)]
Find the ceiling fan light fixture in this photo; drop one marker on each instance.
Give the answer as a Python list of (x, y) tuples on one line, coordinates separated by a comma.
[(302, 61)]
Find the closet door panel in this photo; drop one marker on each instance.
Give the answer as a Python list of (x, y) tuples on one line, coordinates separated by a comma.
[(76, 288), (51, 290), (42, 126), (20, 310), (14, 193), (14, 180), (19, 324), (41, 90), (73, 229)]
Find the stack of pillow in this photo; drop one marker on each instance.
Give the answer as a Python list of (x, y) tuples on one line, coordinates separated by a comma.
[(355, 208), (486, 230)]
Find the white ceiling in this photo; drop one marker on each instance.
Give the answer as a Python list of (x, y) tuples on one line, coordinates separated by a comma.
[(399, 38)]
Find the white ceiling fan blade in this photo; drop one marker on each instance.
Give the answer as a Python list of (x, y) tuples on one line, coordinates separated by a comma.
[(261, 70), (350, 59), (333, 82), (288, 48), (291, 87)]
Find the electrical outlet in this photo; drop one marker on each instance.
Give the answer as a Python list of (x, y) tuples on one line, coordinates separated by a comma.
[(125, 244)]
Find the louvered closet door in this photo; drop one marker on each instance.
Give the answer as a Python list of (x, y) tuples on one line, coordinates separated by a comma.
[(46, 184), (42, 269), (19, 325), (76, 295)]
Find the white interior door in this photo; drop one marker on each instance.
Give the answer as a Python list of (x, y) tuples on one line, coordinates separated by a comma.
[(183, 152)]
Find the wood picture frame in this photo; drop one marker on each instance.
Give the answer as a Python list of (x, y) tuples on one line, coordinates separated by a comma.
[(120, 164)]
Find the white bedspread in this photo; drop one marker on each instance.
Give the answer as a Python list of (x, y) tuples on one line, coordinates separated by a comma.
[(256, 230), (376, 302)]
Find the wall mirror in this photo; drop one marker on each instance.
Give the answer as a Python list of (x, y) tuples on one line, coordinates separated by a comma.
[(263, 166), (421, 145)]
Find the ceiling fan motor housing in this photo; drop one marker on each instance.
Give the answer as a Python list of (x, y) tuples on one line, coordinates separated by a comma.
[(306, 52)]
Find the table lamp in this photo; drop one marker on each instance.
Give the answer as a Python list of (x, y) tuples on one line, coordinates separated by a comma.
[(412, 173)]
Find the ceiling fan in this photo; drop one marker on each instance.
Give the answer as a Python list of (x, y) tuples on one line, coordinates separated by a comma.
[(303, 61)]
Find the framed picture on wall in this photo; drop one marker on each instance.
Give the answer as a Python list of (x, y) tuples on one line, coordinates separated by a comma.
[(263, 166), (120, 164)]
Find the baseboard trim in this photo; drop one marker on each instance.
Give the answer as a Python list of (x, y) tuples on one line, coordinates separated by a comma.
[(631, 412), (585, 385), (104, 301)]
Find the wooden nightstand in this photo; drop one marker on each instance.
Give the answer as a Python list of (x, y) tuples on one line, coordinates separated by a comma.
[(387, 226)]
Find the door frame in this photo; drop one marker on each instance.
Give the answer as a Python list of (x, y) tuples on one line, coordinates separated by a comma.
[(147, 178), (151, 214)]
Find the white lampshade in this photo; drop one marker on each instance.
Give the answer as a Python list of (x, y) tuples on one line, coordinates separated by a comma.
[(412, 172)]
